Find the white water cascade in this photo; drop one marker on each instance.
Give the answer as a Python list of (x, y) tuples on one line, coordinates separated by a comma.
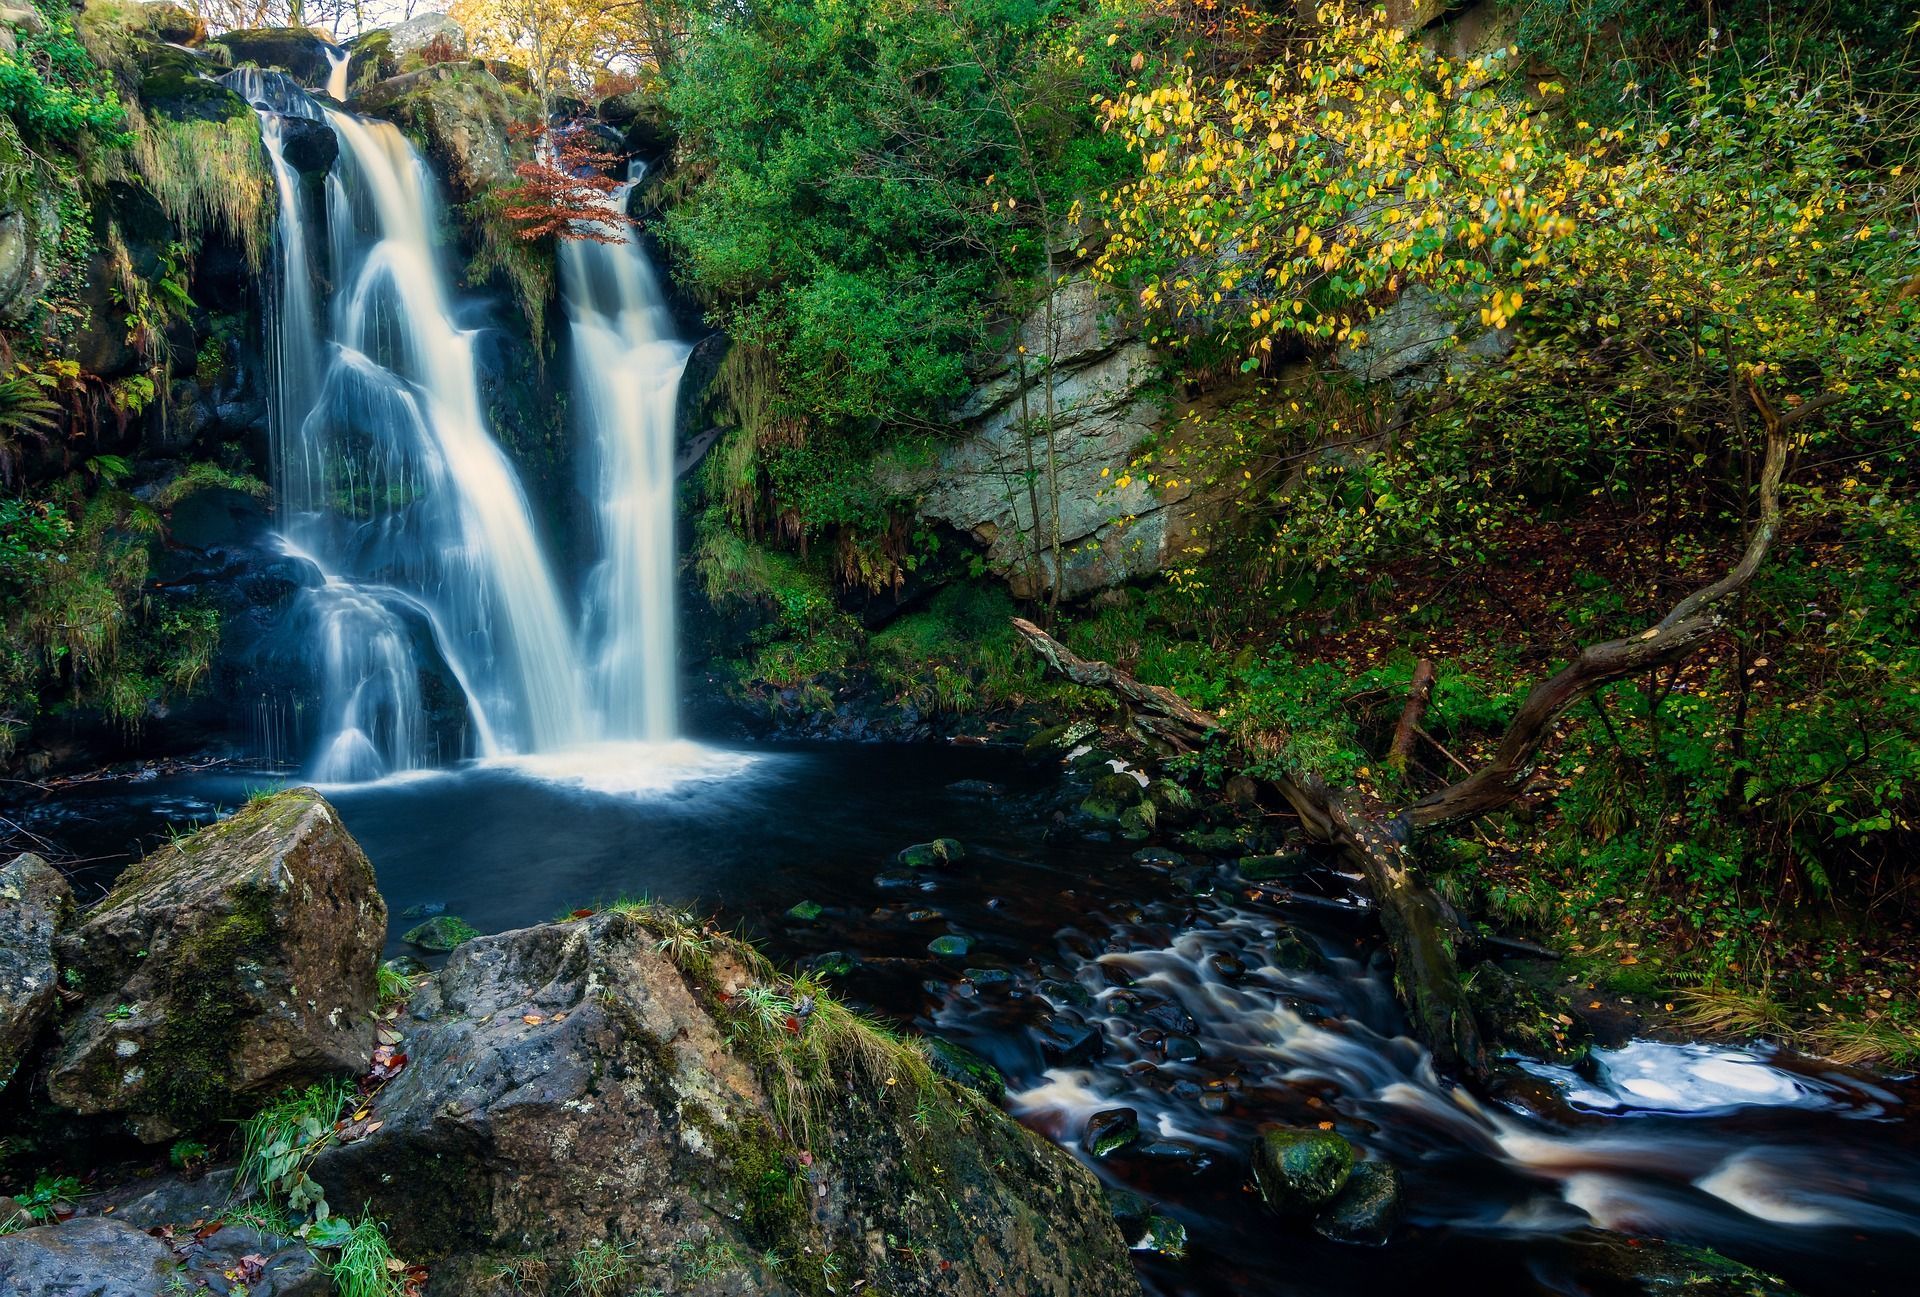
[(392, 488), (627, 367), (389, 480)]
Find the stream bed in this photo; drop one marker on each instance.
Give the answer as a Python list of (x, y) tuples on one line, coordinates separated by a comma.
[(1097, 976)]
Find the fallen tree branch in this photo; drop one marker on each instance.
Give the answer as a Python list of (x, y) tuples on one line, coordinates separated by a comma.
[(1419, 692)]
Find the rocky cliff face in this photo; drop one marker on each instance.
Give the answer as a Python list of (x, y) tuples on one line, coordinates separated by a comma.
[(1004, 467)]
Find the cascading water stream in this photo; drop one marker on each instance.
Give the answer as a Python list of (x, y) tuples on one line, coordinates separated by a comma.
[(388, 479), (627, 367)]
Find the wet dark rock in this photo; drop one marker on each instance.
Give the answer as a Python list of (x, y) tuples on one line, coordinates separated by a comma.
[(441, 933), (1296, 954), (1110, 1130), (1216, 841), (1299, 1171), (221, 968), (975, 788), (1065, 994), (1136, 823), (895, 880), (309, 146), (1261, 869), (1063, 1042), (35, 901), (941, 853), (950, 946), (924, 916), (404, 965), (806, 911), (1166, 1236), (1616, 1264), (829, 963), (1367, 1209), (1169, 1017), (1173, 805), (1196, 880), (1129, 1210), (1176, 1153), (1181, 1049), (1094, 761), (988, 978), (1055, 741), (424, 910), (1227, 966), (1160, 858), (623, 1114), (1100, 810), (1120, 789), (964, 1067), (292, 49)]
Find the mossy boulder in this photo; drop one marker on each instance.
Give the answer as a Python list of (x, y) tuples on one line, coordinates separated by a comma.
[(1519, 1018), (291, 49), (610, 1081), (34, 901), (941, 853), (441, 933), (1299, 1171), (223, 968), (172, 85), (110, 1258)]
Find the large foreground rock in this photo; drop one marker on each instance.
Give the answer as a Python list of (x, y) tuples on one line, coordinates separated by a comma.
[(573, 1091), (98, 1257), (223, 967), (34, 900)]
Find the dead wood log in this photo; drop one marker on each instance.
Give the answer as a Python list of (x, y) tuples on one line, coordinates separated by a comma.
[(1419, 692)]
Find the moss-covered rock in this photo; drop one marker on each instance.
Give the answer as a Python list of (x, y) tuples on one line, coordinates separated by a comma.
[(223, 967), (1521, 1019), (1367, 1210), (1299, 1171), (941, 853), (291, 49), (441, 933), (624, 1082)]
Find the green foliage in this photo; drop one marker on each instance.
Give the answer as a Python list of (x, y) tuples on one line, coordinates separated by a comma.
[(51, 88), (279, 1143), (870, 180), (208, 176), (48, 1197), (202, 476), (362, 1267)]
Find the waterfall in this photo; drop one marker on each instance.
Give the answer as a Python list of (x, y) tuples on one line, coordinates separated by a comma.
[(389, 481), (627, 367)]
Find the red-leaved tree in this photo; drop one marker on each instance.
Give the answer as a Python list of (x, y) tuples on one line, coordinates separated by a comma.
[(563, 193)]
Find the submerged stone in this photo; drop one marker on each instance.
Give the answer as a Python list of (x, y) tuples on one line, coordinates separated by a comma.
[(1063, 1042), (1261, 869), (1218, 841), (1177, 1153), (1159, 858), (950, 946), (424, 910), (806, 911), (937, 854), (441, 933), (1367, 1209), (986, 978), (1298, 1171), (1166, 1236), (1296, 954), (829, 963), (1110, 1130)]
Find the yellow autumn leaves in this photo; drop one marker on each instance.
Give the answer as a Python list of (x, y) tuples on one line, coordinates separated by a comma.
[(1364, 163)]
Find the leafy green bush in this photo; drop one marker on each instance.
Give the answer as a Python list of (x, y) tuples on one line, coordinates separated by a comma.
[(52, 89)]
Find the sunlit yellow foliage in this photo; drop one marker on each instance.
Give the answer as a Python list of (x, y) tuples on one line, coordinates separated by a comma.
[(1357, 165)]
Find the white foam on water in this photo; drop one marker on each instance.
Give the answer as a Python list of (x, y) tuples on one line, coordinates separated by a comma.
[(1654, 1076), (1747, 1182), (626, 769)]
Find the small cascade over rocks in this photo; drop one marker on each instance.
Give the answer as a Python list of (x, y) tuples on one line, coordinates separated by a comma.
[(627, 367), (391, 485)]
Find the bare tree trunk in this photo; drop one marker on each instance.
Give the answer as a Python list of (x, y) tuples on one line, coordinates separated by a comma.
[(1419, 692)]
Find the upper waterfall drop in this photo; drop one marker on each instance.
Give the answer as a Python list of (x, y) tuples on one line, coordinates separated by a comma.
[(627, 367), (389, 480)]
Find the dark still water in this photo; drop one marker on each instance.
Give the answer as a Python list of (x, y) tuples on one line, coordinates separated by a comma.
[(1097, 980)]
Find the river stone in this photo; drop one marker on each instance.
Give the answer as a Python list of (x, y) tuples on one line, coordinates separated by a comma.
[(570, 1083), (1110, 1130), (937, 854), (89, 1257), (441, 933), (224, 967), (950, 946), (1298, 1171), (1367, 1209), (34, 901), (1166, 1236), (806, 911)]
